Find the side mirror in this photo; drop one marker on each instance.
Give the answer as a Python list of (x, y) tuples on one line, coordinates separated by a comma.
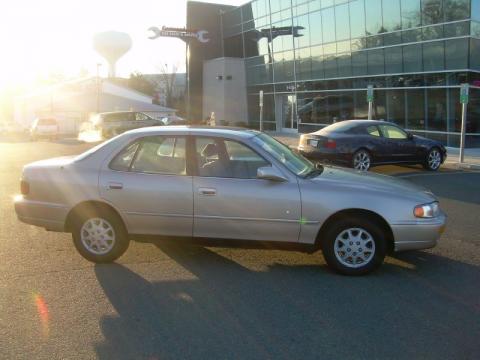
[(409, 136), (270, 173)]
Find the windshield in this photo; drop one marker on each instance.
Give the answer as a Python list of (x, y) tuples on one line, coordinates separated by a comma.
[(293, 161)]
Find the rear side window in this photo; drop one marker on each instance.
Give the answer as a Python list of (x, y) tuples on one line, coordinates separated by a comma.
[(373, 130), (141, 117), (122, 116), (161, 155), (123, 160)]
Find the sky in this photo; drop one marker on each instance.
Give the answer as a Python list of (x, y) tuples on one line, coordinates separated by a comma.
[(43, 37)]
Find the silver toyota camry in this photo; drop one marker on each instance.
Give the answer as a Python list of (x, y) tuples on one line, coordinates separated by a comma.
[(228, 187)]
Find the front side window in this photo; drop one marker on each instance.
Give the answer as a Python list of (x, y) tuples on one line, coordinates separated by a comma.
[(226, 158), (393, 132), (161, 155)]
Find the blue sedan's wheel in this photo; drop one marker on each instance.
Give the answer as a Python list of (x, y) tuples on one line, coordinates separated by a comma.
[(433, 160), (361, 160), (354, 246)]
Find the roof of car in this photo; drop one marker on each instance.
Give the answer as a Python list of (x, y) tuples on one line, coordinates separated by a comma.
[(363, 121), (198, 130)]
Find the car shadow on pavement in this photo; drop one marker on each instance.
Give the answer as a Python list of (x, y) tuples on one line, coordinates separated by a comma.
[(426, 308)]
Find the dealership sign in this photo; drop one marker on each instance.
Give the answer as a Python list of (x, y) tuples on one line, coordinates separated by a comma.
[(180, 33)]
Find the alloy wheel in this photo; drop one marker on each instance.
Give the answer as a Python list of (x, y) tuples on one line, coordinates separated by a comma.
[(361, 161), (434, 159)]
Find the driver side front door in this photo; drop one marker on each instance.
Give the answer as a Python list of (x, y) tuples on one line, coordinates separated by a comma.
[(231, 203), (402, 149)]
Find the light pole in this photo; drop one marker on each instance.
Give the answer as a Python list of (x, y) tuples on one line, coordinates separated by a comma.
[(98, 87)]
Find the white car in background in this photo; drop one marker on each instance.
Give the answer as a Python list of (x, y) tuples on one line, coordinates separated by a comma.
[(44, 128)]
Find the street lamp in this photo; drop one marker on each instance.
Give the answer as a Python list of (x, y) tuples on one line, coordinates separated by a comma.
[(98, 87)]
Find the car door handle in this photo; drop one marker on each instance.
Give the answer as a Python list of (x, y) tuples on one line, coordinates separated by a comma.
[(207, 191), (115, 185)]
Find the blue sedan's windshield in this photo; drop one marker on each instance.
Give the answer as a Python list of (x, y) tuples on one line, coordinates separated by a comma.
[(294, 162)]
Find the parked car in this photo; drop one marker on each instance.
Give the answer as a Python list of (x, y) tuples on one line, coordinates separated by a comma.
[(44, 128), (113, 123), (229, 187), (364, 143), (173, 120)]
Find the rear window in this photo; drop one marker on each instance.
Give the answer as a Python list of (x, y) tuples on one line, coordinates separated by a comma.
[(113, 117), (341, 127), (47, 122)]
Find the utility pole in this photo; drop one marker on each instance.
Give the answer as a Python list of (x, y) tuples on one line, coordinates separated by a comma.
[(370, 101), (464, 101), (261, 109), (98, 87), (187, 68)]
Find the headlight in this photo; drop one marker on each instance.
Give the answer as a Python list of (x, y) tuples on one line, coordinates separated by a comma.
[(426, 210)]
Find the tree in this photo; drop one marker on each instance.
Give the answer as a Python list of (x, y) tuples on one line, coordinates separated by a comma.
[(138, 82), (168, 77)]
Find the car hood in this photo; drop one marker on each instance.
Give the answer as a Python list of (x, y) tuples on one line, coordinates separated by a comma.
[(366, 181)]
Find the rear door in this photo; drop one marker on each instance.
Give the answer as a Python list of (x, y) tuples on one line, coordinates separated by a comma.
[(231, 203), (147, 182)]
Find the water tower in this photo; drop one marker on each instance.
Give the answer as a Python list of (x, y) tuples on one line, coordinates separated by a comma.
[(112, 45)]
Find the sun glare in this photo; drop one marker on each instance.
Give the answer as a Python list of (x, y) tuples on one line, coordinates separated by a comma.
[(53, 38)]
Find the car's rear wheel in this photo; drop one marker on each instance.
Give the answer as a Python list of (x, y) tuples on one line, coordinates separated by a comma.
[(354, 246), (100, 236), (433, 159), (361, 160)]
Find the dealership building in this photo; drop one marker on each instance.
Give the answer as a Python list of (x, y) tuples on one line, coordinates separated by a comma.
[(314, 60)]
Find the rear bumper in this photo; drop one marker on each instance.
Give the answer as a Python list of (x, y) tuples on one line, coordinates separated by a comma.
[(330, 155), (422, 234), (47, 215)]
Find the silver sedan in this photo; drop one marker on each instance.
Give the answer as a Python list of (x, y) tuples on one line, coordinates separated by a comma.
[(227, 187)]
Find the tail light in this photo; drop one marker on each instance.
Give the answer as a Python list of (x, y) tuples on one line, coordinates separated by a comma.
[(330, 144), (24, 187)]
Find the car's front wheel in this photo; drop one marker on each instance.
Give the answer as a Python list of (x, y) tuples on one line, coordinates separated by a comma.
[(433, 160), (354, 246), (100, 236), (361, 160)]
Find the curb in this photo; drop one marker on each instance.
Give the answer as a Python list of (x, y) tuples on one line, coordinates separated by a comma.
[(468, 166)]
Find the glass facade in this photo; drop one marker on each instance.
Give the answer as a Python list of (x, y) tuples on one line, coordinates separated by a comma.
[(317, 58)]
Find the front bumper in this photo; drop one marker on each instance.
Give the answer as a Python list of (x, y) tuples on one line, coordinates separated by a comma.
[(47, 215), (418, 234)]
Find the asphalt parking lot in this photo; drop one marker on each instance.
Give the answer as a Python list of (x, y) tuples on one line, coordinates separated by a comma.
[(167, 301)]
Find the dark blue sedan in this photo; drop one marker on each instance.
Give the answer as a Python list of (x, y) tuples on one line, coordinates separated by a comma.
[(365, 143)]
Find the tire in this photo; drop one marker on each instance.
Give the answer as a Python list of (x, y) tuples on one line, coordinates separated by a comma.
[(361, 160), (433, 159), (100, 236), (345, 243)]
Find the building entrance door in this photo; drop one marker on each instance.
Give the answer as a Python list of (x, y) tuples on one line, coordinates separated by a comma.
[(286, 113)]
